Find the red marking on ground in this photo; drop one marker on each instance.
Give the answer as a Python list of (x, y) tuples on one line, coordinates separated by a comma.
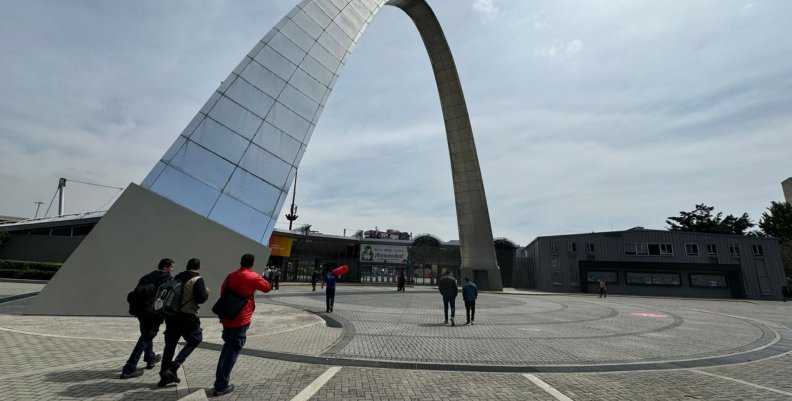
[(655, 315)]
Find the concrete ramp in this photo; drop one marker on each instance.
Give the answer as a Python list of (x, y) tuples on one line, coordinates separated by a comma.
[(140, 229)]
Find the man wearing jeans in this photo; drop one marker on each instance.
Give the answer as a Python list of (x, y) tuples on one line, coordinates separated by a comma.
[(448, 289), (149, 321), (244, 283)]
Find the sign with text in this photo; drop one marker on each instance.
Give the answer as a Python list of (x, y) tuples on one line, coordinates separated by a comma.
[(383, 253), (280, 246)]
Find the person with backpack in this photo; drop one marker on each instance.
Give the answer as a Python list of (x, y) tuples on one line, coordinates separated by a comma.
[(141, 301), (241, 283), (182, 321), (469, 294)]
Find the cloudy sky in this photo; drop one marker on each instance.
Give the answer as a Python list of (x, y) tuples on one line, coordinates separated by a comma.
[(588, 116)]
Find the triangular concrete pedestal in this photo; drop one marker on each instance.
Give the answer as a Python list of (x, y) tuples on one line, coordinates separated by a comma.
[(140, 229)]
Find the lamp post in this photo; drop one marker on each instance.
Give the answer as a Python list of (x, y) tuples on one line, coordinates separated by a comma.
[(293, 210)]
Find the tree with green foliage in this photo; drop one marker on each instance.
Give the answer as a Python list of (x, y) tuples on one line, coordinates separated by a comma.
[(702, 220), (777, 222)]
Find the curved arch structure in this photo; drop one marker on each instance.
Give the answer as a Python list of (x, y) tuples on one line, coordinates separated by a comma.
[(237, 159)]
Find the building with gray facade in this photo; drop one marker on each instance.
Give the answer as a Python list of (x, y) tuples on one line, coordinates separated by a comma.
[(654, 262), (786, 185)]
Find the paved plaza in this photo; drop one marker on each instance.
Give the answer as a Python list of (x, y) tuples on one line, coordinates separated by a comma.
[(379, 344)]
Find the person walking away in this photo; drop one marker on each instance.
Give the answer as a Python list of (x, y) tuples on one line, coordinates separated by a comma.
[(140, 305), (400, 279), (469, 295), (603, 289), (330, 282), (277, 278), (314, 280), (184, 323), (244, 283), (448, 289)]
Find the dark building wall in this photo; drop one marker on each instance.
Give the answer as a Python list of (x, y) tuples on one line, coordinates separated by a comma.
[(39, 248), (555, 259)]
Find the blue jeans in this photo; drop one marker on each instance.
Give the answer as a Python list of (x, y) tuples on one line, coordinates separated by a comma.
[(233, 341), (449, 301), (180, 325), (148, 330)]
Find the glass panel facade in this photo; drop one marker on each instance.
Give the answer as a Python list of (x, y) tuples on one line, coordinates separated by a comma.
[(235, 117), (186, 191), (240, 217), (611, 277), (203, 165), (253, 191), (708, 280), (220, 140)]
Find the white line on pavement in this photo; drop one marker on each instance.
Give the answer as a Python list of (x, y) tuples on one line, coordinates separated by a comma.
[(777, 391), (320, 381), (547, 388)]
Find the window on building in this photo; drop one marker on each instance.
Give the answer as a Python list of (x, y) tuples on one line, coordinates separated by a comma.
[(758, 250), (654, 249), (572, 247), (589, 248), (554, 247), (734, 250), (610, 277), (712, 249), (555, 269), (666, 249), (708, 280), (691, 249), (642, 248), (645, 278), (630, 248)]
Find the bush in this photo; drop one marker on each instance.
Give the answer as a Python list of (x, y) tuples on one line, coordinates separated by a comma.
[(27, 274), (28, 265), (21, 269)]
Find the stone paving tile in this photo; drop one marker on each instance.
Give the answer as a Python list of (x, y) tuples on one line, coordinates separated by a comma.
[(381, 384), (8, 289), (312, 340), (254, 378), (654, 386), (90, 382), (772, 372)]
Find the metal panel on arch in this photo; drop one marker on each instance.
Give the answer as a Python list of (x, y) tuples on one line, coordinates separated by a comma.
[(237, 158)]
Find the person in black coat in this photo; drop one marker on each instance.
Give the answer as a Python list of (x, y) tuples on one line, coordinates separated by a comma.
[(149, 321)]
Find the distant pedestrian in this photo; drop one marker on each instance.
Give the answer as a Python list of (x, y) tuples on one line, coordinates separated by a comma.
[(448, 289), (141, 301), (277, 278), (330, 281), (603, 288), (469, 294), (184, 324), (400, 280), (785, 292), (244, 283), (314, 280)]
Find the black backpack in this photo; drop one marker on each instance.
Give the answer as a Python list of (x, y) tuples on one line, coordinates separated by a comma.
[(168, 300), (141, 299)]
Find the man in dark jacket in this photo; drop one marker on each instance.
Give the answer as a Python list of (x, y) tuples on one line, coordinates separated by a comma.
[(469, 294), (448, 289), (244, 282), (184, 324), (149, 321)]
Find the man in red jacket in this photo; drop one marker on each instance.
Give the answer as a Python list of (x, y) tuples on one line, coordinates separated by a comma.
[(244, 283)]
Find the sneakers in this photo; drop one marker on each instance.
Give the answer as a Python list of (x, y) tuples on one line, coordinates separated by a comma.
[(168, 377), (157, 358), (136, 373), (229, 389), (472, 322), (452, 321), (445, 322)]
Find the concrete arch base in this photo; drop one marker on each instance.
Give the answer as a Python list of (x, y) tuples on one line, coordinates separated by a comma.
[(95, 279)]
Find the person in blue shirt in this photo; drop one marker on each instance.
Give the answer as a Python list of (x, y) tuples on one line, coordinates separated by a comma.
[(469, 294), (330, 282)]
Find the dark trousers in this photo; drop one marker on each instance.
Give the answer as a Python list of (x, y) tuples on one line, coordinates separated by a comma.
[(180, 325), (400, 286), (313, 285), (470, 310), (329, 298), (603, 292), (149, 326), (233, 340), (449, 301)]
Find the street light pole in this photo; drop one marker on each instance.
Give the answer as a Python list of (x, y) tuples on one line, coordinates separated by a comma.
[(293, 210)]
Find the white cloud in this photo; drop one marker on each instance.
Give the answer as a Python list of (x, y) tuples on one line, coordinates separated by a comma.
[(561, 50), (486, 9)]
